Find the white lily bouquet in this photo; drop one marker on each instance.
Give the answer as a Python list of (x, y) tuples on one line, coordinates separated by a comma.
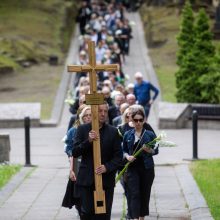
[(154, 144)]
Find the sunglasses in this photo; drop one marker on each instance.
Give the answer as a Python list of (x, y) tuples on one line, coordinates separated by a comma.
[(138, 120), (87, 115)]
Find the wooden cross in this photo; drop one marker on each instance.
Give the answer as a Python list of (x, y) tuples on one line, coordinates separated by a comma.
[(94, 99)]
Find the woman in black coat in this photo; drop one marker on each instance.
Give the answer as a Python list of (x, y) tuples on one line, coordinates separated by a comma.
[(140, 173), (70, 199), (127, 125)]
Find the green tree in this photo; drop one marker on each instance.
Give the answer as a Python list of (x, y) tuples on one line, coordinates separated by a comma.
[(185, 41), (188, 90), (210, 83), (204, 52), (195, 64), (185, 38), (203, 42)]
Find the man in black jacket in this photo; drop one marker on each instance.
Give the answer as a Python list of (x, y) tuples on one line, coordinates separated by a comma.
[(111, 157)]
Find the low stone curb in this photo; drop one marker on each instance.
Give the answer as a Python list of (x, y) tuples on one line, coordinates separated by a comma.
[(197, 205)]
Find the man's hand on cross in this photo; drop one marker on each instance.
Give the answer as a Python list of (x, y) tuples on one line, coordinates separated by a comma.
[(100, 170), (93, 136)]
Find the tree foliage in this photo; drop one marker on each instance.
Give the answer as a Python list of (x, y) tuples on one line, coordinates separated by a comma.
[(210, 83), (185, 38), (197, 79)]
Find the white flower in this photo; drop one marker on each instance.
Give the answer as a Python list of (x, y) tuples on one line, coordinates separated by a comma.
[(161, 136), (163, 143), (132, 23), (69, 101), (118, 32), (127, 77), (64, 139), (69, 98), (80, 37)]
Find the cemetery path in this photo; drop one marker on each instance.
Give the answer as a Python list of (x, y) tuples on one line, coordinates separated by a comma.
[(39, 195)]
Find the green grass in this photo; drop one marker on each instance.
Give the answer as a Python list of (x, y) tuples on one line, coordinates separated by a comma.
[(207, 176), (7, 62), (31, 28), (167, 82), (6, 172)]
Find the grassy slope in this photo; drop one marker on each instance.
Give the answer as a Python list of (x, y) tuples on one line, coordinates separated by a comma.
[(37, 22), (207, 176), (31, 28), (35, 84), (164, 26)]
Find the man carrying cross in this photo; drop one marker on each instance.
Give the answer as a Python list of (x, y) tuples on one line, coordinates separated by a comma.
[(111, 157), (99, 145)]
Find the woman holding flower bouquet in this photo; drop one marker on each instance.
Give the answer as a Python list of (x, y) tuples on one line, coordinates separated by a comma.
[(140, 173)]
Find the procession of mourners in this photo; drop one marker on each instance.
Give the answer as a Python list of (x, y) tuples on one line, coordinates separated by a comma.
[(122, 118)]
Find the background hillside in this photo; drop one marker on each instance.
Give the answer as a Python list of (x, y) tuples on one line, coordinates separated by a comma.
[(30, 32)]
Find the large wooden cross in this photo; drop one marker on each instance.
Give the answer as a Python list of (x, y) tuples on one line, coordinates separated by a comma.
[(94, 99)]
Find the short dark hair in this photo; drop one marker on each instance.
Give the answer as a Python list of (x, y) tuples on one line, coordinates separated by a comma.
[(105, 103), (137, 112)]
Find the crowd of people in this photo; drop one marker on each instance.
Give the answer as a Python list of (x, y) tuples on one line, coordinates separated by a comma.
[(122, 118)]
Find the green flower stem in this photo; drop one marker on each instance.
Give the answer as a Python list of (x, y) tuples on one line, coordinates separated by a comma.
[(150, 144)]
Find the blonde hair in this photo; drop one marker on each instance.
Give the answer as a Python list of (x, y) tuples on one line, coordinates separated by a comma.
[(123, 117), (82, 114), (77, 122)]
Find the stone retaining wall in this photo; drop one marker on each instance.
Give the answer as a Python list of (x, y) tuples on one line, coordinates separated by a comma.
[(4, 148), (178, 115), (12, 114)]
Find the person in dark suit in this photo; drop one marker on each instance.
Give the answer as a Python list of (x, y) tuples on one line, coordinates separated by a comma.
[(118, 120), (114, 110), (83, 16), (111, 157)]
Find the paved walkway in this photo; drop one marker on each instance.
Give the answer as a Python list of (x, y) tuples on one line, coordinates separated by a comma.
[(36, 193)]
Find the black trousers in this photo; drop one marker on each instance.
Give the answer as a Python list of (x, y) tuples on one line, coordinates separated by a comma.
[(139, 184), (87, 204)]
